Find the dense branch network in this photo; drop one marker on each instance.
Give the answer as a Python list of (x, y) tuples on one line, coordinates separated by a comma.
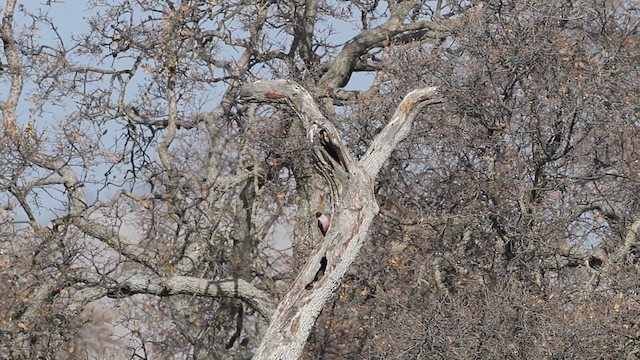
[(521, 186)]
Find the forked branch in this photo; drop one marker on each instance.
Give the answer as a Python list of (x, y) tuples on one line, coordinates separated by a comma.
[(355, 207)]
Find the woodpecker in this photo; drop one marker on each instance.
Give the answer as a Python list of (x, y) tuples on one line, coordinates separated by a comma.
[(323, 223)]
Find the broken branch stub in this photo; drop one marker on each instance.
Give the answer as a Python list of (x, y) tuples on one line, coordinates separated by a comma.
[(333, 159)]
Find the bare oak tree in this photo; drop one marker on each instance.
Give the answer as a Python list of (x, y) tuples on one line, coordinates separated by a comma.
[(123, 181)]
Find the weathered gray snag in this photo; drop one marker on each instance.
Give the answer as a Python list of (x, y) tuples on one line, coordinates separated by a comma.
[(354, 208)]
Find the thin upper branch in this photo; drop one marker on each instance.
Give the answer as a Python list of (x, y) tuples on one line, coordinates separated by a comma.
[(79, 216)]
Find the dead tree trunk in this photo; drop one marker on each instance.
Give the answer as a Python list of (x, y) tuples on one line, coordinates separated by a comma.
[(353, 202)]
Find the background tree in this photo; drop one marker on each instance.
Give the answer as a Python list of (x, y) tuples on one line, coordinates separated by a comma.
[(149, 195), (510, 219)]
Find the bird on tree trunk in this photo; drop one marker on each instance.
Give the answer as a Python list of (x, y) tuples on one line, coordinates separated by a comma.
[(323, 223)]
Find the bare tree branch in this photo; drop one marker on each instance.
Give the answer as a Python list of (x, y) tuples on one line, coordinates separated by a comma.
[(128, 285), (14, 67), (339, 71), (397, 129)]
